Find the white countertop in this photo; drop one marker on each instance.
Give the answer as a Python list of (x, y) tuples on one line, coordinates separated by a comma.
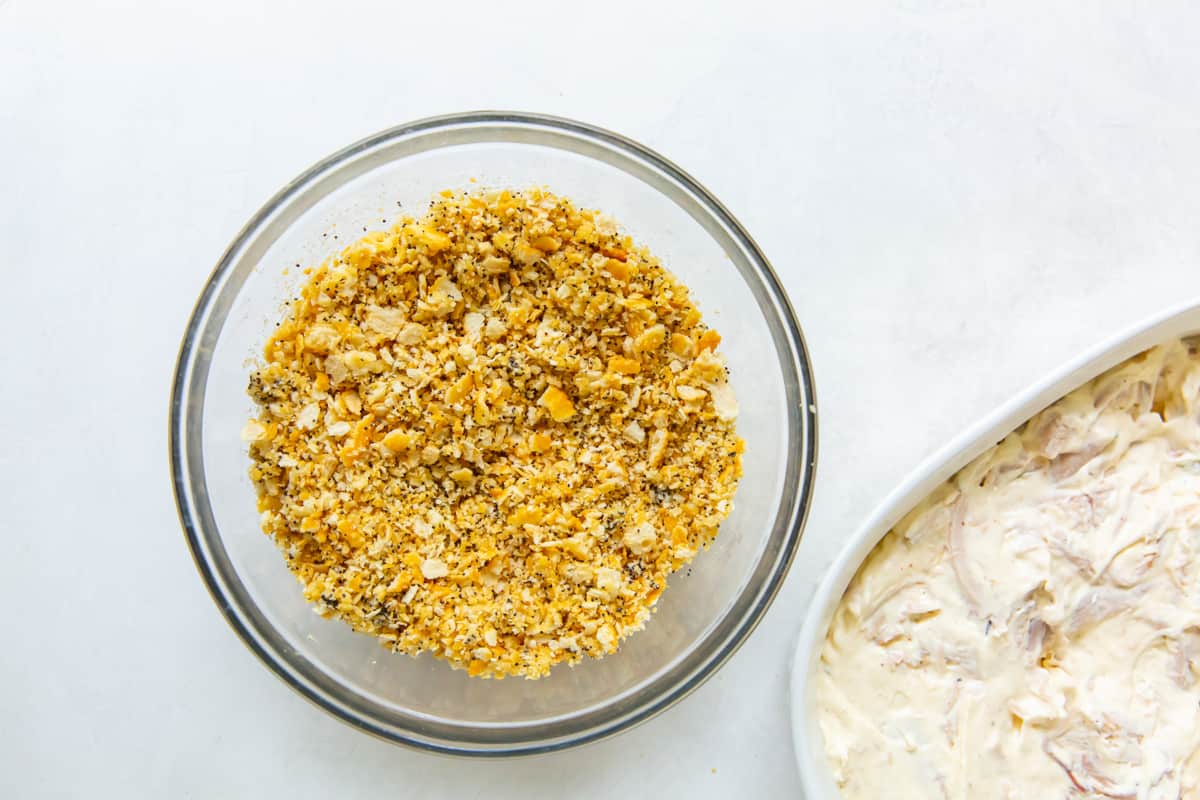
[(958, 196)]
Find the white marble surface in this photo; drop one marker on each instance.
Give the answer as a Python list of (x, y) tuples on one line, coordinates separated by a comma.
[(958, 195)]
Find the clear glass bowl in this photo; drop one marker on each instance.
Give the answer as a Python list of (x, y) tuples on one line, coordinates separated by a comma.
[(707, 610)]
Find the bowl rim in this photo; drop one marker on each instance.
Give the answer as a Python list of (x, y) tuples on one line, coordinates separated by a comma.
[(809, 746), (186, 416)]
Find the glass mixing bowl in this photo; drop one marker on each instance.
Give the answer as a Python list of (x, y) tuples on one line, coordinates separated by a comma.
[(708, 609)]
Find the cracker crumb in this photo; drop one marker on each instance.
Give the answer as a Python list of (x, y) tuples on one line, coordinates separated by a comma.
[(493, 433)]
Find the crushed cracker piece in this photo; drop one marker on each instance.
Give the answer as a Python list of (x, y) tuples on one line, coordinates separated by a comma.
[(640, 538), (558, 404), (254, 431), (724, 401), (433, 568)]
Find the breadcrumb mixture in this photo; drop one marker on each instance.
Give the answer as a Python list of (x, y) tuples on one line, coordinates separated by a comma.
[(493, 433)]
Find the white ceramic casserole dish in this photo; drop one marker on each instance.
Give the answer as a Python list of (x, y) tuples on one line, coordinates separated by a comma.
[(815, 774)]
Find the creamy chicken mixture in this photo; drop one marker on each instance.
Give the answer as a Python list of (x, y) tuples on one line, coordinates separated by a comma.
[(1032, 629)]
